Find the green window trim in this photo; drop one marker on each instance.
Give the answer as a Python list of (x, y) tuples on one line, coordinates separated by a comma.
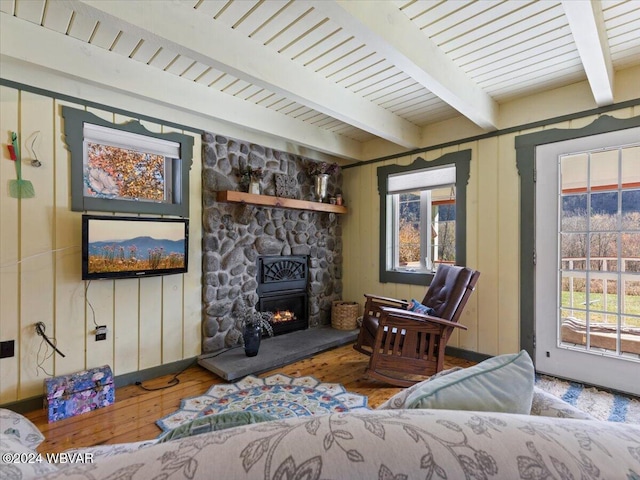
[(462, 162), (74, 121)]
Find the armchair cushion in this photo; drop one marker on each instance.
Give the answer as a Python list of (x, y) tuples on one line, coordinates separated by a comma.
[(500, 384)]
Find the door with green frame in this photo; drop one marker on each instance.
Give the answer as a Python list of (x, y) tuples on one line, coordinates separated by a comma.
[(587, 250)]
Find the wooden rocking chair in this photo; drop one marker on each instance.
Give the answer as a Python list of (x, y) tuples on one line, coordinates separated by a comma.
[(404, 345)]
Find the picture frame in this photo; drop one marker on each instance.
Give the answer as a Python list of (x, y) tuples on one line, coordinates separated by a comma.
[(125, 167)]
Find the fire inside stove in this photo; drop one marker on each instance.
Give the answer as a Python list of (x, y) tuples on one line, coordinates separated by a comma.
[(283, 316)]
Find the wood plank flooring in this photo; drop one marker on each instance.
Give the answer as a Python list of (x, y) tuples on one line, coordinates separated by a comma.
[(132, 418)]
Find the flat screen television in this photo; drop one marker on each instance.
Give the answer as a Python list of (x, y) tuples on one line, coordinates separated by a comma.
[(133, 247)]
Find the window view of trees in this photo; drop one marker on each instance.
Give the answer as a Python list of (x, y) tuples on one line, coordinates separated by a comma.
[(602, 247), (409, 229), (446, 232), (442, 243)]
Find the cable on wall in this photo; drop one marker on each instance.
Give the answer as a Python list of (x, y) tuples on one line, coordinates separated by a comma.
[(18, 262), (43, 357), (86, 298)]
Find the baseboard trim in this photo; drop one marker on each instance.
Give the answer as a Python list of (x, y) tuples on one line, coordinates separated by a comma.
[(467, 354), (154, 372), (35, 403)]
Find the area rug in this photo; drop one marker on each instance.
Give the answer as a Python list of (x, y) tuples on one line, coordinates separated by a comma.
[(279, 396), (601, 404)]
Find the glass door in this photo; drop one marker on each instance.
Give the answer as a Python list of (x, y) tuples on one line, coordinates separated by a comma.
[(588, 260)]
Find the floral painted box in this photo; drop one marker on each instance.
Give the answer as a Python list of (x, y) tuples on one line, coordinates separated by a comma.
[(76, 393)]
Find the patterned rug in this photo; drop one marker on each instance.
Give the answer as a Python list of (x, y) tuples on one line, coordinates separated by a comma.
[(278, 395), (603, 405)]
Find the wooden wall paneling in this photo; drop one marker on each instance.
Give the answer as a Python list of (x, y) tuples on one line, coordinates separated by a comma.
[(37, 229), (125, 326), (150, 308), (370, 223), (362, 243), (99, 311), (69, 288), (508, 247), (192, 280), (100, 296), (468, 339), (391, 290), (126, 309), (352, 226), (172, 307), (150, 322), (350, 234), (487, 245), (9, 249)]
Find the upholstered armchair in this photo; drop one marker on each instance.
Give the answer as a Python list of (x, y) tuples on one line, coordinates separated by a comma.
[(406, 346)]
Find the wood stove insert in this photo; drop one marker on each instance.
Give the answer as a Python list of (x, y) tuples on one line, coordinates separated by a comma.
[(282, 290)]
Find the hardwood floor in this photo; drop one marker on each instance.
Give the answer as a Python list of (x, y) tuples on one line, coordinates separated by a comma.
[(132, 418)]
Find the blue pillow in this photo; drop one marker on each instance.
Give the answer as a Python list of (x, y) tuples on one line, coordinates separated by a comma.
[(416, 306), (500, 384)]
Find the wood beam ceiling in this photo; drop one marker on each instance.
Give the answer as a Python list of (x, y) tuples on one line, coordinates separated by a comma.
[(192, 34), (76, 59), (587, 26), (387, 30)]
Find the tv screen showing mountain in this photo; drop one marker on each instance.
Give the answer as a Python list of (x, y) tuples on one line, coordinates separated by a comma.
[(115, 247)]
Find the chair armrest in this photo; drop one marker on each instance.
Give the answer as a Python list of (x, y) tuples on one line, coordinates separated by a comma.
[(404, 314), (386, 299)]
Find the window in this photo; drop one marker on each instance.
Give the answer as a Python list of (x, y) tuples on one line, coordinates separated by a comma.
[(599, 248), (126, 168), (422, 214)]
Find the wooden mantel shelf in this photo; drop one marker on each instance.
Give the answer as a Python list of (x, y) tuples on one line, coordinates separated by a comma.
[(232, 196)]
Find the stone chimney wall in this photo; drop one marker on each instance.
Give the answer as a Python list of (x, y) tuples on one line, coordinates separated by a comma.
[(234, 235)]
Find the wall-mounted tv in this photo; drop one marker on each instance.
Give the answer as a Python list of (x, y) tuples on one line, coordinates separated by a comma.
[(133, 247)]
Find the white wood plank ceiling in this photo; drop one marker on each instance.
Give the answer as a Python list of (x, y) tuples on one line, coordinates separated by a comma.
[(349, 70)]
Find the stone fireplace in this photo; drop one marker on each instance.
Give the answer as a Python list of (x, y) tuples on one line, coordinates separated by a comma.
[(235, 236)]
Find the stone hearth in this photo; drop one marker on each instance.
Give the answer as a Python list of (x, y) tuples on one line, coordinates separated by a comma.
[(235, 235), (276, 352)]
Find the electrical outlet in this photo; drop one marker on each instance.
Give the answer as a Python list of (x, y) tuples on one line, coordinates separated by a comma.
[(7, 349), (101, 333)]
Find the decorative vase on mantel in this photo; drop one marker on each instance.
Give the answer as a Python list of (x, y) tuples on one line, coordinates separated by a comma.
[(251, 334), (320, 186), (254, 187)]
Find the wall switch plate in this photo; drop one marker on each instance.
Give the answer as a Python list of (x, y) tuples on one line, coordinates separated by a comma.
[(7, 349), (101, 333)]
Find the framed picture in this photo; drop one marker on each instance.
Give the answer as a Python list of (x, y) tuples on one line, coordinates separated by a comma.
[(125, 167)]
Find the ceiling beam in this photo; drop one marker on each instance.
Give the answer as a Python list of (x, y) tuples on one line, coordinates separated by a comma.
[(388, 31), (589, 34), (93, 65), (186, 31)]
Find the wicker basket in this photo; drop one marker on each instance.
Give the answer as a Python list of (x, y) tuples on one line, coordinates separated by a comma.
[(344, 315)]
